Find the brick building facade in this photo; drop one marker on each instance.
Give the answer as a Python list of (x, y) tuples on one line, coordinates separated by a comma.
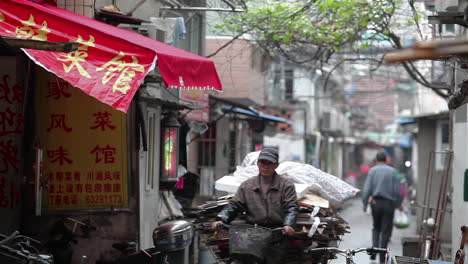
[(242, 68), (373, 103)]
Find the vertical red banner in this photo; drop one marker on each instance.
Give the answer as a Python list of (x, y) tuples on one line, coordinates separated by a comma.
[(11, 141)]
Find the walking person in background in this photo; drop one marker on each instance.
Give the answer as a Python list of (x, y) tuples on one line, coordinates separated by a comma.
[(382, 192)]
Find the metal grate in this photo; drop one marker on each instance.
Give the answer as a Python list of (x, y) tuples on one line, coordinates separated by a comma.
[(408, 260)]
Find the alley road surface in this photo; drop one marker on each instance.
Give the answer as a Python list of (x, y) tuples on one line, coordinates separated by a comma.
[(361, 232)]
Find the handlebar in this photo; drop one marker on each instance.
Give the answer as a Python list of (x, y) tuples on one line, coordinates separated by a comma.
[(9, 238), (372, 250), (23, 249)]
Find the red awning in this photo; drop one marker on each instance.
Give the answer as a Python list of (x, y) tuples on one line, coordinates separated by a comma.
[(110, 63)]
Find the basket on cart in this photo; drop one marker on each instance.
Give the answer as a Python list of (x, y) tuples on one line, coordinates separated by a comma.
[(249, 241)]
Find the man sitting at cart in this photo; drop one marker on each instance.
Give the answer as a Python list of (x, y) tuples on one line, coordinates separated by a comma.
[(269, 200)]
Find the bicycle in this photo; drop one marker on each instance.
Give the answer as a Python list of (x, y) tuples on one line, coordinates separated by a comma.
[(347, 253), (17, 248)]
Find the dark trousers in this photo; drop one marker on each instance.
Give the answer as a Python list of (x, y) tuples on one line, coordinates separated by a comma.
[(382, 215)]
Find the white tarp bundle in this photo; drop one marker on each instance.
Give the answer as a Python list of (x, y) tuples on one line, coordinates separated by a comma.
[(317, 181), (230, 184)]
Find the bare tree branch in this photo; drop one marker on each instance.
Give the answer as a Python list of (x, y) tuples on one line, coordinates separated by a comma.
[(224, 46)]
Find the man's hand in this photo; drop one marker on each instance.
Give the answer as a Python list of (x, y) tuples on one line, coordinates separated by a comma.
[(215, 224), (288, 230)]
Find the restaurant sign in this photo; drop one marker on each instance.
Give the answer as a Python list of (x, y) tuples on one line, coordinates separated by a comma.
[(84, 146)]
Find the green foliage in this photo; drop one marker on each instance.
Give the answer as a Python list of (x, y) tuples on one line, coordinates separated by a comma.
[(313, 24)]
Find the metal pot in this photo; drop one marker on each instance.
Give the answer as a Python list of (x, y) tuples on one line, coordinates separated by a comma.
[(173, 235)]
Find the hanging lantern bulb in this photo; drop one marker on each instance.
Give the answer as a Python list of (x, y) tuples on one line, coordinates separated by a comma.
[(169, 147)]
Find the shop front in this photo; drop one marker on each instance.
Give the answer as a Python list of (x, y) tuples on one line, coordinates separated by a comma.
[(71, 136)]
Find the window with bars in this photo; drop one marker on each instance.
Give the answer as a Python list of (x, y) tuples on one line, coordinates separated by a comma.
[(289, 84)]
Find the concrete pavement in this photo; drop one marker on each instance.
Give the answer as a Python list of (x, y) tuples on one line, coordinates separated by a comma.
[(361, 232)]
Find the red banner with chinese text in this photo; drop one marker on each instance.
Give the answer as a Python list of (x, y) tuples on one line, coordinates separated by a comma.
[(84, 148), (11, 134), (110, 63)]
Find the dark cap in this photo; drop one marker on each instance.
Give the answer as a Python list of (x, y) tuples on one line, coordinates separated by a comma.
[(269, 154)]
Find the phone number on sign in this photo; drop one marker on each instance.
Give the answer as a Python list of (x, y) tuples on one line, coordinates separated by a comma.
[(101, 199)]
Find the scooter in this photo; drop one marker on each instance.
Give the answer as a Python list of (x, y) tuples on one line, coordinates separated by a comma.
[(169, 237)]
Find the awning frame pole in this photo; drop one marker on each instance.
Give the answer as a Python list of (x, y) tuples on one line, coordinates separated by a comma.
[(182, 8)]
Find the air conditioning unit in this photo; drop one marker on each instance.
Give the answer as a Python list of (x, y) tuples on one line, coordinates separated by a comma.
[(331, 121), (153, 31), (446, 5), (149, 30)]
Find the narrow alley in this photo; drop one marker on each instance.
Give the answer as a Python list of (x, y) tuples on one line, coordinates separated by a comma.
[(127, 128)]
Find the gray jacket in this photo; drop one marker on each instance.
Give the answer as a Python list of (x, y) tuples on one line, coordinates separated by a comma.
[(382, 182)]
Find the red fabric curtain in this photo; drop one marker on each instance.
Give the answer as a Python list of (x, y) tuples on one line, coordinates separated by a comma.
[(110, 63)]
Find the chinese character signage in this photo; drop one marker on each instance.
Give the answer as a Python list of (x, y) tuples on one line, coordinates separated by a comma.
[(11, 133), (84, 144), (110, 63), (102, 67)]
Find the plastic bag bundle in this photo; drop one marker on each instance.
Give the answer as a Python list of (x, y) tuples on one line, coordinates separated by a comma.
[(248, 167), (326, 185), (246, 172), (250, 159), (321, 183), (401, 219)]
